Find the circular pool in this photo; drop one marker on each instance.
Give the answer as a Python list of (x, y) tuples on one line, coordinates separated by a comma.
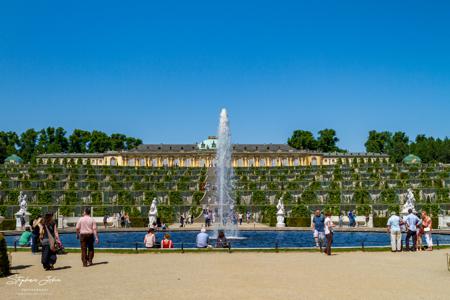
[(250, 239)]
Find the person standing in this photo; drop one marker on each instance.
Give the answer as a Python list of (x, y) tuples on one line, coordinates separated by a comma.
[(393, 228), (328, 232), (318, 228), (427, 224), (36, 229), (248, 217), (411, 226), (105, 220), (87, 233), (49, 237)]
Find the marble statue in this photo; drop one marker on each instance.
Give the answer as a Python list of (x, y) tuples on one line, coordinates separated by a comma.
[(22, 203), (280, 214), (22, 214), (152, 213), (410, 200)]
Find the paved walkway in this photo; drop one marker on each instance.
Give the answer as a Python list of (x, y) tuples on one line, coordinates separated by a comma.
[(355, 275)]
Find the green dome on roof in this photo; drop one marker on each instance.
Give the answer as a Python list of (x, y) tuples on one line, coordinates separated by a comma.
[(412, 159), (13, 159)]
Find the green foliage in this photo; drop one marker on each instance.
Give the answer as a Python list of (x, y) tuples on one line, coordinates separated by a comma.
[(269, 215), (35, 212), (258, 197), (175, 198), (363, 209), (380, 222), (4, 260), (166, 213), (299, 211), (388, 196)]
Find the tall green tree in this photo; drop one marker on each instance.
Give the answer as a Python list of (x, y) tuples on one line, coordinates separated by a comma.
[(27, 144), (327, 140), (378, 142), (398, 146), (79, 141), (302, 140)]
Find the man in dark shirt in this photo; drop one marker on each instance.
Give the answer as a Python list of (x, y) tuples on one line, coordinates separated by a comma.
[(318, 228)]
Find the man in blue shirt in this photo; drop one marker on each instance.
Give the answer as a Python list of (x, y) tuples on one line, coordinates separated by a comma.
[(393, 225), (318, 228), (411, 222), (202, 239)]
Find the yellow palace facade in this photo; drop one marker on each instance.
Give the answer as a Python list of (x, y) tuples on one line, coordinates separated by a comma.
[(203, 155)]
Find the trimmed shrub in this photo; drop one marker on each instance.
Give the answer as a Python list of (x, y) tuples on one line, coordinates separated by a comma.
[(8, 224), (380, 222), (298, 222), (4, 261), (138, 222)]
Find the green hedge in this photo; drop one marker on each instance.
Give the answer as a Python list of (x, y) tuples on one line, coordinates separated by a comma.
[(8, 224), (4, 261), (298, 222), (139, 222), (380, 222)]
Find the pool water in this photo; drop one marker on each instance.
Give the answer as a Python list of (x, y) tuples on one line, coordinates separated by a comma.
[(248, 239)]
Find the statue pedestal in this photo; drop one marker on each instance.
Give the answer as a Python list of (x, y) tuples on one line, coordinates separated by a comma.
[(280, 220), (19, 223)]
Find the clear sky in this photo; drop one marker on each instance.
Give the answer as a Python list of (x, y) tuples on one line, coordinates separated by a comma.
[(162, 70)]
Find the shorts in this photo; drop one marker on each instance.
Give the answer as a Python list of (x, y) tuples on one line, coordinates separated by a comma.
[(320, 235)]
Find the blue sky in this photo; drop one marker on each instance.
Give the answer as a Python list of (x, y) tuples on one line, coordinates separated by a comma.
[(162, 70)]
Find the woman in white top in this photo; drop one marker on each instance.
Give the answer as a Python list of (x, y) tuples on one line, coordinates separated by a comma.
[(150, 239), (328, 232)]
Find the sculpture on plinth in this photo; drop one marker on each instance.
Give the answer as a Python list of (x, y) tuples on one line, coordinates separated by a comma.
[(22, 216), (152, 213), (409, 204), (280, 214)]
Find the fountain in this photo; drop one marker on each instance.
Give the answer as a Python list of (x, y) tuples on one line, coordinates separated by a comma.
[(224, 173)]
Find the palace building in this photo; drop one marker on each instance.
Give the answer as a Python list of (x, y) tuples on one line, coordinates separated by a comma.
[(203, 155)]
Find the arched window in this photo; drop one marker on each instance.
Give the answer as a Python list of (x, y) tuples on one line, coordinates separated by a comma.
[(296, 162), (314, 161), (142, 162), (262, 162), (113, 162), (131, 162)]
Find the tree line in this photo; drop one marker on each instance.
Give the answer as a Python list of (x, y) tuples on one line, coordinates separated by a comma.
[(31, 143), (397, 145)]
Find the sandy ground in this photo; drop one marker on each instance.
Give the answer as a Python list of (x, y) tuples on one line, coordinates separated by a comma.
[(358, 275)]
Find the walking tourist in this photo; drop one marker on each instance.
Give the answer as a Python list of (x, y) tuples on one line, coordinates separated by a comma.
[(248, 217), (105, 220), (87, 233), (166, 243), (221, 240), (240, 218), (150, 238), (411, 222), (328, 232), (49, 238), (427, 227), (351, 219), (36, 229), (182, 220), (202, 240), (393, 228), (318, 228), (25, 237)]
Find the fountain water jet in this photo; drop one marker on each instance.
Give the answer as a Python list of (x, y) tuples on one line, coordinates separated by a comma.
[(224, 173)]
